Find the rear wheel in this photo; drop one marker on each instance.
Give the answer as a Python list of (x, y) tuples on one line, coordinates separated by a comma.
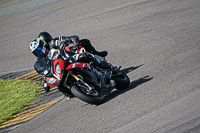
[(122, 80)]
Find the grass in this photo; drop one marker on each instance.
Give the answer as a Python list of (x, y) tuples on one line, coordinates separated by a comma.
[(15, 95)]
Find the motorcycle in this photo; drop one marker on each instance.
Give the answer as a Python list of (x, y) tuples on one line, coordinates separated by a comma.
[(85, 81)]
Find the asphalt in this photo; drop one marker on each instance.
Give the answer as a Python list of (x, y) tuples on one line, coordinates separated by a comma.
[(155, 41)]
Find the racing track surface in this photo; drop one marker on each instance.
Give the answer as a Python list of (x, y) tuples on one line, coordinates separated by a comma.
[(157, 42)]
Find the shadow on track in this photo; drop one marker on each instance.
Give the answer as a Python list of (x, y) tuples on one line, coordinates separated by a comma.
[(132, 85), (130, 69)]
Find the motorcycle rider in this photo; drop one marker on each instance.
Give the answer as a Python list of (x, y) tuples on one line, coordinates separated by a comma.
[(45, 44)]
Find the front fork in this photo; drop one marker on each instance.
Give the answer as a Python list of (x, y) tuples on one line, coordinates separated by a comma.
[(80, 83), (74, 76)]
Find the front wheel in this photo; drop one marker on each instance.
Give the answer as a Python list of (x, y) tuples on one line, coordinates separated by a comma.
[(122, 80), (94, 97)]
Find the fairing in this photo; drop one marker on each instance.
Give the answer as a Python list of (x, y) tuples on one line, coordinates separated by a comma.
[(78, 65)]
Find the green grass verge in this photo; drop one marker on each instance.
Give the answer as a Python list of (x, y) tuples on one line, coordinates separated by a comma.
[(15, 95)]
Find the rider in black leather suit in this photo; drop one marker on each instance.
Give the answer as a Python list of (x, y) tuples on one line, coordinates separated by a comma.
[(51, 43)]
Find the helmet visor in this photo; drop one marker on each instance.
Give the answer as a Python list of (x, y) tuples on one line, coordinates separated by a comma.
[(37, 46)]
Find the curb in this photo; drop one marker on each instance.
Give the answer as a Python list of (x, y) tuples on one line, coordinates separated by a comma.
[(45, 101)]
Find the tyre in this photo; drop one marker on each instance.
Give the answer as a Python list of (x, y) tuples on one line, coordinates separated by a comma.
[(122, 81), (93, 97)]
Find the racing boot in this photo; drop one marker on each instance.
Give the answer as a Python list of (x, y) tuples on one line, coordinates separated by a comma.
[(105, 65), (114, 69), (101, 53)]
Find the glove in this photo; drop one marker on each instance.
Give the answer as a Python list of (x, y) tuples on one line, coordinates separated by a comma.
[(62, 45), (75, 40)]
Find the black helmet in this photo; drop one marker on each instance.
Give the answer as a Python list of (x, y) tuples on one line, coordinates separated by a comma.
[(45, 36)]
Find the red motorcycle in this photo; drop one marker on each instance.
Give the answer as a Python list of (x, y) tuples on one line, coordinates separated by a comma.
[(85, 81)]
